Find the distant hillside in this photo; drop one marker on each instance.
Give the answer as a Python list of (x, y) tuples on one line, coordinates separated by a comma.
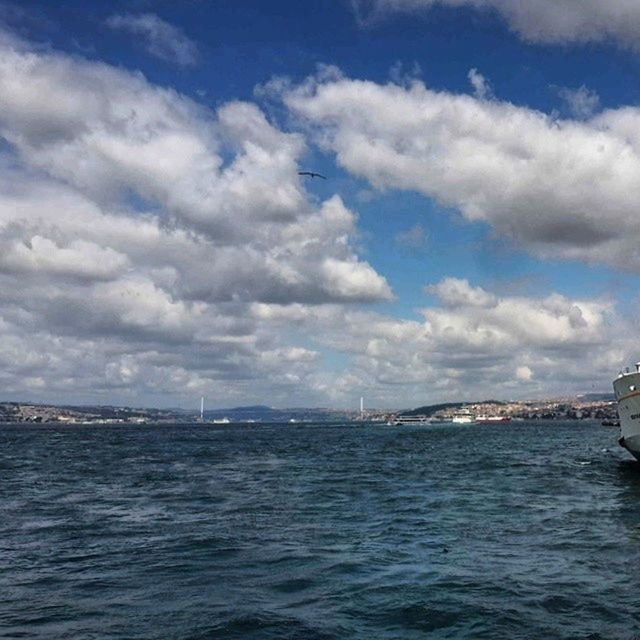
[(260, 413), (597, 397), (429, 410)]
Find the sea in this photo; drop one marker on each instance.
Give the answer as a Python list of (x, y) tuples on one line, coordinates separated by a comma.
[(300, 531)]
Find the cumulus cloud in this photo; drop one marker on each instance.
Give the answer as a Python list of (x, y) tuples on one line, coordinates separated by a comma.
[(153, 251), (471, 344), (473, 318), (481, 86), (562, 188), (454, 292), (160, 38), (80, 259), (141, 225), (581, 102), (102, 134), (541, 21)]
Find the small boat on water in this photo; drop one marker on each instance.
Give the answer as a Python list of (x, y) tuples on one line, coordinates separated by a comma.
[(492, 419), (221, 421), (627, 391)]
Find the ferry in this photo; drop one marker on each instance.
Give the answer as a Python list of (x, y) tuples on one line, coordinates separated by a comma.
[(627, 391), (463, 417)]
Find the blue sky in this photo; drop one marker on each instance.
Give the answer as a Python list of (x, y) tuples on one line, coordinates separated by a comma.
[(475, 236)]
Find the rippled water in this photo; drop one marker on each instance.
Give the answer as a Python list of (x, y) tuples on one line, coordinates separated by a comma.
[(289, 531)]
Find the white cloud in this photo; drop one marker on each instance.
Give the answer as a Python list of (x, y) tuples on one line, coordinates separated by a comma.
[(582, 102), (160, 38), (137, 226), (351, 279), (415, 237), (454, 292), (471, 344), (524, 373), (105, 134), (481, 86), (561, 188), (539, 21), (153, 251), (81, 259), (473, 318)]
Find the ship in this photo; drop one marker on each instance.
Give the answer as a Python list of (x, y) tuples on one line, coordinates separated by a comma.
[(492, 419), (627, 391), (463, 417)]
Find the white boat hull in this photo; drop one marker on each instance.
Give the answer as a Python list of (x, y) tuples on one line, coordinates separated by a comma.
[(627, 390), (463, 417)]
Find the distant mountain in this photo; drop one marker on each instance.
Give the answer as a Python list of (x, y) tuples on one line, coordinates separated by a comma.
[(597, 397), (429, 410), (261, 413)]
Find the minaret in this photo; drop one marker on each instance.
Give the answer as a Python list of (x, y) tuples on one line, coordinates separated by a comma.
[(202, 409), (361, 408)]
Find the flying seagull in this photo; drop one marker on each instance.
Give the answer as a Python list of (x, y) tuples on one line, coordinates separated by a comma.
[(311, 174)]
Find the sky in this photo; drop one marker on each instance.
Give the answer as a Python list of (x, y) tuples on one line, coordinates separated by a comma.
[(477, 234)]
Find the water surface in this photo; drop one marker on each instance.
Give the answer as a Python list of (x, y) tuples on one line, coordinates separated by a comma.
[(526, 530)]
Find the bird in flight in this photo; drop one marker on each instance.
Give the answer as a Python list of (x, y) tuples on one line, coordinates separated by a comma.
[(311, 174)]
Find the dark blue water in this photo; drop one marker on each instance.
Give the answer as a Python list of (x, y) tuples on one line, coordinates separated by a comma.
[(518, 531)]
